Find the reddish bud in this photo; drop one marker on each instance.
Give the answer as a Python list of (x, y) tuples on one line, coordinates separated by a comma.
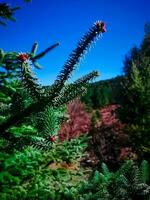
[(23, 57), (52, 139), (103, 27)]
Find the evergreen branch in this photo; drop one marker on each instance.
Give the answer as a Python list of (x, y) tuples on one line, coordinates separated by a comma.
[(75, 57), (4, 108), (30, 81), (89, 77), (6, 12), (105, 169), (34, 48), (37, 65), (72, 92), (69, 93), (47, 122), (145, 172), (41, 143), (18, 117), (66, 94), (40, 55), (19, 143), (78, 88)]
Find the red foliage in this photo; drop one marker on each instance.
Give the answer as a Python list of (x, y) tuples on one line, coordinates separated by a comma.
[(109, 141), (110, 120), (108, 116), (103, 26), (79, 121), (127, 153)]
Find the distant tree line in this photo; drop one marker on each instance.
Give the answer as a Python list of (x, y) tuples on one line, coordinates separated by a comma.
[(102, 93)]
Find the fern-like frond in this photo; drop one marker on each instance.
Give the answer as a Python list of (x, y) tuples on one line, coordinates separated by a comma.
[(105, 169), (41, 143), (49, 120)]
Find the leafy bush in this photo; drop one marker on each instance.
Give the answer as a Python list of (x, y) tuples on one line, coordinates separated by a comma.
[(34, 174), (140, 139), (110, 138), (78, 123)]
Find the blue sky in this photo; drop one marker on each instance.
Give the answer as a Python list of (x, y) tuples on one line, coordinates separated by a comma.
[(65, 21)]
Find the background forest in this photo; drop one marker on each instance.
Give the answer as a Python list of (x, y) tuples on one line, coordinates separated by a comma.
[(74, 141)]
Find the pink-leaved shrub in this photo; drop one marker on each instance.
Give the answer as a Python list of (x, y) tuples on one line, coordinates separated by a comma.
[(110, 142), (79, 121)]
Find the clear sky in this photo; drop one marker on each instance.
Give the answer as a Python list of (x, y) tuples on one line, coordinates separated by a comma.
[(65, 21)]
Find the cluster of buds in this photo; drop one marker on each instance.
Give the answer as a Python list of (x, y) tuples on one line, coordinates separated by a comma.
[(22, 57), (102, 26)]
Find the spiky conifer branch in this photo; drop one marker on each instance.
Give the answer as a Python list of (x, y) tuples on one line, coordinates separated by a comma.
[(89, 77), (43, 53), (71, 91), (58, 94), (6, 13), (26, 140), (75, 57), (30, 81), (34, 49)]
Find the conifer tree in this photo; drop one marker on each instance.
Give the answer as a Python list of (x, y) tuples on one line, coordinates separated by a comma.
[(58, 94)]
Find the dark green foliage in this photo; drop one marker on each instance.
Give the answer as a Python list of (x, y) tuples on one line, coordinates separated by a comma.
[(135, 97), (137, 54), (30, 82), (145, 46), (145, 171), (30, 175), (8, 65), (136, 94), (70, 151), (134, 108), (134, 56), (47, 122), (127, 183), (102, 93), (6, 13), (140, 139)]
